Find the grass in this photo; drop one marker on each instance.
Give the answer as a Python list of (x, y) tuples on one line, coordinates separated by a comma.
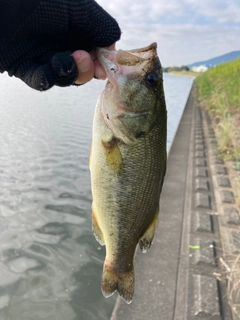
[(186, 74), (223, 80), (219, 93), (238, 197), (232, 275)]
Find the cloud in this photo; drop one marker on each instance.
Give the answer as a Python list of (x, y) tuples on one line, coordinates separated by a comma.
[(136, 11), (186, 31), (179, 45), (220, 11)]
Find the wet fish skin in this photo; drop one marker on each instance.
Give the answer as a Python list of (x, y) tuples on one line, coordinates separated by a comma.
[(127, 161)]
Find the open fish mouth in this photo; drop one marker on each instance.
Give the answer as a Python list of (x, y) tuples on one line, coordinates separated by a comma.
[(125, 62), (127, 57)]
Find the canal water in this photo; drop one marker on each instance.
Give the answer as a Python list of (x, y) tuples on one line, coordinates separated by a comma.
[(50, 262)]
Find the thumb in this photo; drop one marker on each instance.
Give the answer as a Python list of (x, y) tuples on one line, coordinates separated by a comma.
[(85, 66), (60, 70)]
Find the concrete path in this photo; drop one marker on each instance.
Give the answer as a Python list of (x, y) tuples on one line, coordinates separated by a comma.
[(175, 279)]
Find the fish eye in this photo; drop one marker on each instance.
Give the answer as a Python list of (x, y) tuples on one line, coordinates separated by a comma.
[(152, 78)]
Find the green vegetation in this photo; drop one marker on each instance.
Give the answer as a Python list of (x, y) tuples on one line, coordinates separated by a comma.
[(184, 73), (170, 69), (181, 71), (223, 79), (219, 93)]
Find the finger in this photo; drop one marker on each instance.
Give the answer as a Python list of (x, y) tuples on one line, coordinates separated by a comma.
[(60, 70), (99, 72), (85, 66)]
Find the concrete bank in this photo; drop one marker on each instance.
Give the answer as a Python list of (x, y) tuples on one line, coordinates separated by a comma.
[(175, 279)]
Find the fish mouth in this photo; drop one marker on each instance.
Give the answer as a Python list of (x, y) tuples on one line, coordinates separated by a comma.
[(129, 63)]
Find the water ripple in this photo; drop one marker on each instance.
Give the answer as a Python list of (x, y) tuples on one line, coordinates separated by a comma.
[(50, 263)]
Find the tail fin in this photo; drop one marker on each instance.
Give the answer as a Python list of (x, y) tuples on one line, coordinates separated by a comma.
[(115, 281)]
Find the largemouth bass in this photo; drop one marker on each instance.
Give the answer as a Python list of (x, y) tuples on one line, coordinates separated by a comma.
[(127, 161)]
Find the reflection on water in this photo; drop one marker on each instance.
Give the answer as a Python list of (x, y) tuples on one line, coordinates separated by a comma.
[(50, 263)]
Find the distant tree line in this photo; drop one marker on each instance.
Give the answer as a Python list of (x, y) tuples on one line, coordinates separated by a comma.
[(182, 68)]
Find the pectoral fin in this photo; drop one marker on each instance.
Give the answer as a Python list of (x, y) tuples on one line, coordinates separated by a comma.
[(113, 155), (146, 240), (96, 229)]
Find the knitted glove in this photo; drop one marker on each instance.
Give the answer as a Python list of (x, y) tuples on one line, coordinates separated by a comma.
[(37, 38)]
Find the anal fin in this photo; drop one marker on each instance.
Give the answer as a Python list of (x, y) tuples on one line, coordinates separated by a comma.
[(96, 229), (146, 240)]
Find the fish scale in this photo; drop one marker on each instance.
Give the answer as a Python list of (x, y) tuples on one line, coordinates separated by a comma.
[(140, 204)]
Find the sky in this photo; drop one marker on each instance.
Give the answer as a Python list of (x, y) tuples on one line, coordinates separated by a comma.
[(186, 31)]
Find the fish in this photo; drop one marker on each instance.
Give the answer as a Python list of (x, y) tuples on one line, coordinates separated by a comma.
[(127, 161)]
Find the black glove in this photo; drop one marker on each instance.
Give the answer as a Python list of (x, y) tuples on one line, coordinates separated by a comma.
[(37, 38)]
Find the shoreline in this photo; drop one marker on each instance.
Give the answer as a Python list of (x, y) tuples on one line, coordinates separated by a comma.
[(183, 275), (184, 74)]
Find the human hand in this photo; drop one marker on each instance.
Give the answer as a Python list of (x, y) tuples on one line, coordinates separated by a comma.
[(89, 66), (40, 41)]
